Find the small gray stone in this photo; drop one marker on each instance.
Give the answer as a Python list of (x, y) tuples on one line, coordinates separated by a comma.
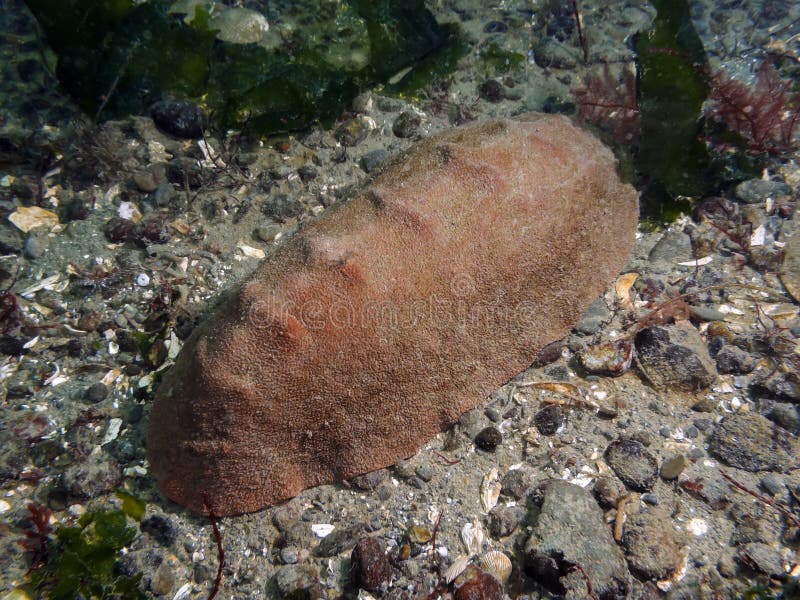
[(731, 359), (407, 124), (652, 545), (781, 386), (763, 557), (674, 246), (773, 484), (633, 464), (751, 442), (268, 233), (369, 481), (594, 318), (425, 472), (98, 474), (786, 415), (11, 240), (340, 540), (516, 483), (705, 313), (550, 53), (163, 579), (289, 555), (97, 392), (299, 582), (754, 191), (163, 195), (36, 244), (673, 467), (162, 528), (373, 159), (504, 520), (351, 133)]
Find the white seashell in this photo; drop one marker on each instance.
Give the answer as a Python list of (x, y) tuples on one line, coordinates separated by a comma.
[(458, 566), (472, 536), (496, 563), (322, 530), (490, 490)]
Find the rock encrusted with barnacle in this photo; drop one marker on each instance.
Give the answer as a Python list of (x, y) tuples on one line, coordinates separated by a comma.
[(381, 322)]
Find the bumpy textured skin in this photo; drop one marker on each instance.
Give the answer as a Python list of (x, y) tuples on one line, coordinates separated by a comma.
[(380, 323)]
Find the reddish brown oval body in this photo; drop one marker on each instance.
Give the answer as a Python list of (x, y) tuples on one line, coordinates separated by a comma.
[(381, 322)]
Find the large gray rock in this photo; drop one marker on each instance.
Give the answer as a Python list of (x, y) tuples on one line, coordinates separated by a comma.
[(571, 546)]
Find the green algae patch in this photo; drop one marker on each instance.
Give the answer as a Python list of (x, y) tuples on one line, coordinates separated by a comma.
[(435, 65), (81, 559), (671, 159), (117, 57)]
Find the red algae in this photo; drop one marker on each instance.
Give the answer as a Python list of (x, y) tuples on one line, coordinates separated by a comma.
[(377, 325)]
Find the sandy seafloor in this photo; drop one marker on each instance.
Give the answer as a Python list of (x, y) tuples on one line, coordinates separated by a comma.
[(76, 396)]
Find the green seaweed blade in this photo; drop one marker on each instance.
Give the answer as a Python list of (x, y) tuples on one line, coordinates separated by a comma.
[(672, 161)]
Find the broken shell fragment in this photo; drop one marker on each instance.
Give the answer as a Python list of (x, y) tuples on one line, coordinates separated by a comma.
[(611, 358), (490, 490)]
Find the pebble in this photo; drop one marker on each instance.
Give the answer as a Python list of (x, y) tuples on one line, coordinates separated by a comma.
[(372, 160), (369, 481), (593, 319), (495, 27), (179, 118), (786, 415), (145, 181), (407, 124), (491, 90), (652, 545), (731, 359), (35, 245), (162, 527), (674, 357), (97, 392), (352, 132), (763, 557), (751, 442), (607, 491), (633, 464), (673, 467), (163, 195), (612, 358), (268, 233), (516, 483), (754, 191), (488, 438), (773, 484), (308, 172), (504, 520), (369, 564), (674, 246), (299, 581), (98, 474), (549, 419), (163, 579)]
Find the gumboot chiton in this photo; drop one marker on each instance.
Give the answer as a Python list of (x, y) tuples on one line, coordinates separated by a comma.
[(378, 324)]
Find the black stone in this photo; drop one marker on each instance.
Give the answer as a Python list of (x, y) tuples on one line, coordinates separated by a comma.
[(179, 118), (549, 419), (488, 438)]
